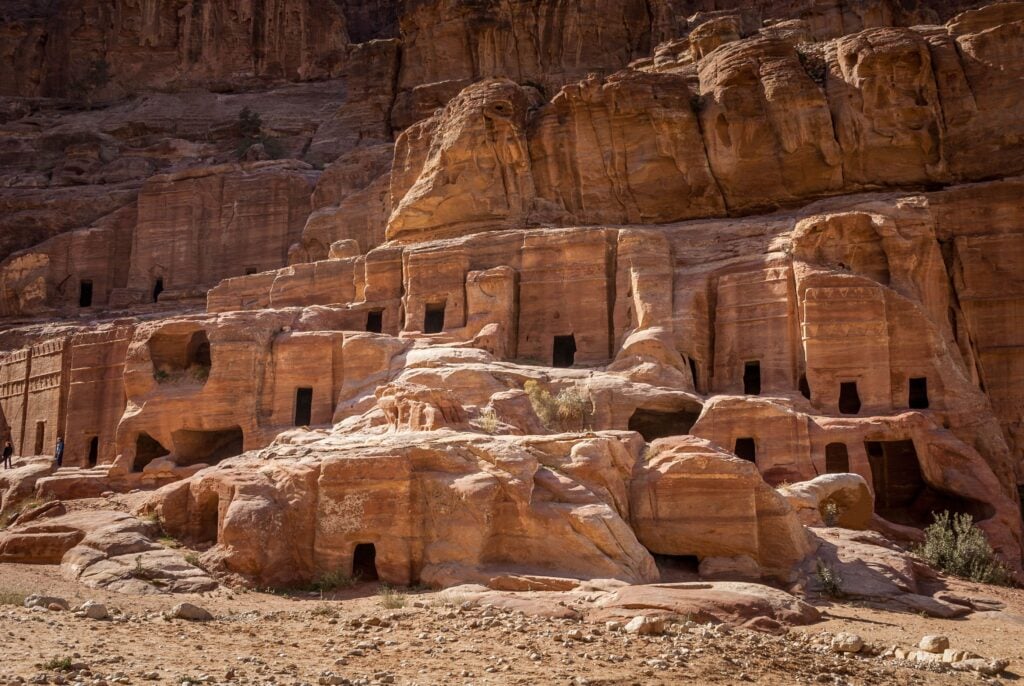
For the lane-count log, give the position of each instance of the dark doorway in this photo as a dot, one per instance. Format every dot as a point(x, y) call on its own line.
point(193, 446)
point(805, 388)
point(693, 374)
point(40, 437)
point(746, 449)
point(919, 393)
point(896, 474)
point(901, 493)
point(147, 449)
point(94, 451)
point(563, 351)
point(375, 321)
point(85, 293)
point(249, 271)
point(303, 406)
point(433, 318)
point(158, 288)
point(652, 424)
point(364, 562)
point(837, 459)
point(676, 568)
point(752, 378)
point(849, 398)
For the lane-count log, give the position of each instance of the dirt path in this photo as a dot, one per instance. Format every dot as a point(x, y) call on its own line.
point(266, 639)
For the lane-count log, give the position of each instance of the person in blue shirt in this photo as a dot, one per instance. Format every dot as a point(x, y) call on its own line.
point(58, 454)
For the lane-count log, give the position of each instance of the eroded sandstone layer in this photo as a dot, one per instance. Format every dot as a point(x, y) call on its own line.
point(511, 292)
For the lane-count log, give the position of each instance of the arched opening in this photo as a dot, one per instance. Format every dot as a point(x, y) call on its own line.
point(158, 288)
point(752, 378)
point(206, 447)
point(433, 318)
point(85, 293)
point(364, 562)
point(563, 351)
point(94, 451)
point(849, 398)
point(805, 388)
point(746, 449)
point(375, 321)
point(901, 493)
point(652, 424)
point(837, 458)
point(147, 449)
point(181, 355)
point(918, 393)
point(303, 406)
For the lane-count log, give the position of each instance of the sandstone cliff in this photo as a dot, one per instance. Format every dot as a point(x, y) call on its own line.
point(514, 289)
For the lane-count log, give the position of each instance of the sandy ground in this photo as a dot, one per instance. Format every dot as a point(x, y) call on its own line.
point(269, 639)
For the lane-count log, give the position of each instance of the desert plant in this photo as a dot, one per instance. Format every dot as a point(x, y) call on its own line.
point(200, 372)
point(168, 542)
point(161, 375)
point(830, 512)
point(391, 598)
point(955, 545)
point(828, 578)
point(12, 598)
point(59, 664)
point(332, 580)
point(568, 411)
point(194, 560)
point(489, 420)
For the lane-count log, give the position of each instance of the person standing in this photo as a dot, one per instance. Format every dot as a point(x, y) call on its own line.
point(58, 453)
point(8, 451)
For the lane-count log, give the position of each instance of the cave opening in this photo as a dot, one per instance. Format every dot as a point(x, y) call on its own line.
point(746, 449)
point(158, 288)
point(752, 378)
point(192, 446)
point(837, 458)
point(433, 318)
point(563, 353)
point(85, 293)
point(94, 451)
point(918, 393)
point(849, 398)
point(147, 449)
point(901, 493)
point(653, 424)
point(677, 567)
point(303, 406)
point(375, 321)
point(40, 437)
point(364, 562)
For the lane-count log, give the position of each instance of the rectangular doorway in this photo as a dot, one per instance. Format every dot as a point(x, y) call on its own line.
point(303, 406)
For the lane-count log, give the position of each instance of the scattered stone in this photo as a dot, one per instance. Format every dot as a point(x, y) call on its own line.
point(94, 610)
point(47, 602)
point(847, 643)
point(190, 612)
point(934, 644)
point(649, 626)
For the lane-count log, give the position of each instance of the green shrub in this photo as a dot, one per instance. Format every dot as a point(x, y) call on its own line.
point(828, 578)
point(59, 664)
point(955, 545)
